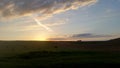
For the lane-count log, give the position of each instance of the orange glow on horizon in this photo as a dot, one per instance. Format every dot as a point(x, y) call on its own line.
point(41, 37)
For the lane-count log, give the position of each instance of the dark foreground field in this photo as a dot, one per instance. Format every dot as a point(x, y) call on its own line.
point(34, 54)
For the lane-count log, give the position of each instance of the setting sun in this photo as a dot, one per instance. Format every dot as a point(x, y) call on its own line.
point(41, 37)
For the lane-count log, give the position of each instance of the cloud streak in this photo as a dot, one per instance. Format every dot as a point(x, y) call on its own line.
point(44, 26)
point(80, 36)
point(16, 8)
point(88, 35)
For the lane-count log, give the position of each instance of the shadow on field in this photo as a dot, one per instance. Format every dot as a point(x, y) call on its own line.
point(76, 59)
point(66, 54)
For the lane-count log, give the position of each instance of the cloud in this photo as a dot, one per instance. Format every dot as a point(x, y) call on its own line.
point(16, 8)
point(57, 22)
point(29, 25)
point(57, 39)
point(84, 36)
point(88, 35)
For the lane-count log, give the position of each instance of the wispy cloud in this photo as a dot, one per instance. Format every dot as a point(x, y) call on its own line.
point(88, 35)
point(29, 25)
point(57, 39)
point(16, 8)
point(84, 36)
point(57, 22)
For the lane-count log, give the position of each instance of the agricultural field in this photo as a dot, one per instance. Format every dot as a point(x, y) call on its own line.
point(57, 54)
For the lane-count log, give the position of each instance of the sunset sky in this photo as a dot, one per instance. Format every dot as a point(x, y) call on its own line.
point(59, 20)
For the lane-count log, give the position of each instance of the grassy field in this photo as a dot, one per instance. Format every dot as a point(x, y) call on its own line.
point(35, 54)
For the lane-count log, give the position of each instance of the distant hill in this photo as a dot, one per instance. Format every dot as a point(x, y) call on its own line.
point(115, 40)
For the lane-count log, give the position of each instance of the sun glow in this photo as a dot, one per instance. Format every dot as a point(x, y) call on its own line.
point(41, 37)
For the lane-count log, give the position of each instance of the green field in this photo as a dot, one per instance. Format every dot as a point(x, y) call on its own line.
point(35, 54)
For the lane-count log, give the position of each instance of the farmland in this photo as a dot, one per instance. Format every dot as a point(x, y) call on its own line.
point(59, 54)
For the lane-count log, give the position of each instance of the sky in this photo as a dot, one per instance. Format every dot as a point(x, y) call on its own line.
point(59, 20)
